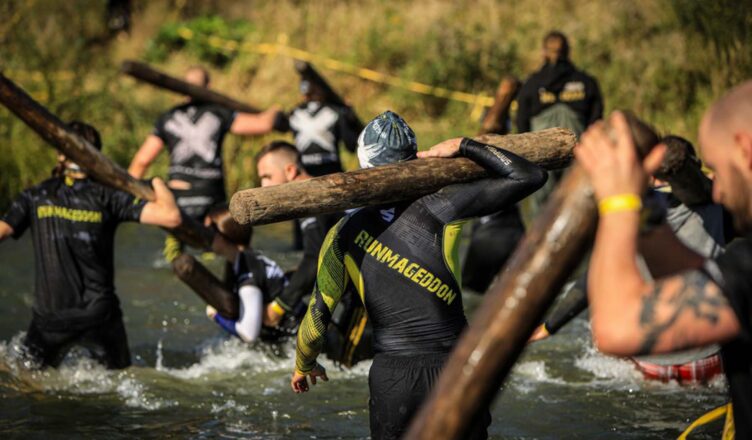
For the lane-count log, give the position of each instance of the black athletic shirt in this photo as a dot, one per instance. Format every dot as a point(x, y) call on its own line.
point(193, 134)
point(402, 259)
point(73, 226)
point(559, 83)
point(256, 269)
point(302, 280)
point(735, 279)
point(318, 129)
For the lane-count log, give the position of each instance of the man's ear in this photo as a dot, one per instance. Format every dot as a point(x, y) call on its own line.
point(743, 142)
point(291, 171)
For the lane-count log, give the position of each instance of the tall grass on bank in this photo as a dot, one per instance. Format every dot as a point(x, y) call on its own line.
point(664, 59)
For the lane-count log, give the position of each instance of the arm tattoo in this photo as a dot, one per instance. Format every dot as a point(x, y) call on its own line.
point(691, 295)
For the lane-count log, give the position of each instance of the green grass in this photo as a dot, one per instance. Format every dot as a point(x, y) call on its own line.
point(664, 59)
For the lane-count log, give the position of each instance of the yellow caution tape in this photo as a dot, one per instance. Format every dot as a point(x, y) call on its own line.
point(281, 48)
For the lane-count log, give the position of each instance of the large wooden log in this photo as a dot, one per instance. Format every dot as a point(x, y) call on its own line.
point(552, 248)
point(495, 120)
point(551, 149)
point(146, 73)
point(96, 164)
point(307, 72)
point(207, 286)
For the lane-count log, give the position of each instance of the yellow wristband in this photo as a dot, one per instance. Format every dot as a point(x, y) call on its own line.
point(619, 203)
point(277, 308)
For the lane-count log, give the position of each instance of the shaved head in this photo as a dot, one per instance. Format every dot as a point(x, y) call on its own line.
point(726, 146)
point(279, 162)
point(198, 76)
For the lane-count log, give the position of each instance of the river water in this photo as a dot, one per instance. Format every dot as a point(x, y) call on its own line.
point(191, 381)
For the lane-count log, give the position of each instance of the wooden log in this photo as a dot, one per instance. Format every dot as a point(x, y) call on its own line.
point(309, 73)
point(552, 248)
point(96, 164)
point(495, 120)
point(550, 148)
point(207, 286)
point(146, 73)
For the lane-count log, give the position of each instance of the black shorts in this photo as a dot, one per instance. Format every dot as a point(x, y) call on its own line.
point(107, 342)
point(198, 200)
point(398, 386)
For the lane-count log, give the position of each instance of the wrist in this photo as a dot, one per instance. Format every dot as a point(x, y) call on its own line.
point(277, 308)
point(616, 203)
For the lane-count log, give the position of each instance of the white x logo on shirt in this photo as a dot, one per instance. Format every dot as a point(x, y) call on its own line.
point(314, 129)
point(195, 138)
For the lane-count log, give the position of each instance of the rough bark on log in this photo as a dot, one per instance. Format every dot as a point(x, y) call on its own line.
point(550, 148)
point(96, 164)
point(207, 286)
point(541, 264)
point(146, 73)
point(496, 118)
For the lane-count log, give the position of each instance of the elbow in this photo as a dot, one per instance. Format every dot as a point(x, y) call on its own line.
point(614, 338)
point(248, 336)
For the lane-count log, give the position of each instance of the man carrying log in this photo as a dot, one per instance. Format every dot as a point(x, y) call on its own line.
point(402, 259)
point(193, 133)
point(319, 126)
point(73, 221)
point(278, 163)
point(693, 301)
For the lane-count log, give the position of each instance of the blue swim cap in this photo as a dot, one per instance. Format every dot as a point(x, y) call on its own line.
point(386, 139)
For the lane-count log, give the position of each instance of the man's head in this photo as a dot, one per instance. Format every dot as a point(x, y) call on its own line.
point(555, 47)
point(238, 234)
point(88, 133)
point(311, 91)
point(198, 76)
point(386, 139)
point(279, 162)
point(726, 146)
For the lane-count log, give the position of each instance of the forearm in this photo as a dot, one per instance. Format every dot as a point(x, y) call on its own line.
point(248, 325)
point(614, 281)
point(138, 169)
point(5, 231)
point(312, 334)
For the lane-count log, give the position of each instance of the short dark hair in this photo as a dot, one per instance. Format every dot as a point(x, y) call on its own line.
point(563, 53)
point(87, 132)
point(280, 146)
point(227, 226)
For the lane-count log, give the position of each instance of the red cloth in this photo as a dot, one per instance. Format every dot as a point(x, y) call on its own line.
point(696, 372)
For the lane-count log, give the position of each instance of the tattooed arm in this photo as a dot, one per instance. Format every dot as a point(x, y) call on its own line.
point(631, 316)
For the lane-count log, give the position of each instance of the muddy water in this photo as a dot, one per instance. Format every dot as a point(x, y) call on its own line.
point(190, 380)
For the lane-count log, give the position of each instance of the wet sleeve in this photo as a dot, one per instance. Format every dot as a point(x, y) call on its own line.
point(159, 128)
point(732, 271)
point(19, 214)
point(596, 105)
point(512, 179)
point(572, 305)
point(350, 128)
point(281, 123)
point(248, 325)
point(125, 207)
point(331, 282)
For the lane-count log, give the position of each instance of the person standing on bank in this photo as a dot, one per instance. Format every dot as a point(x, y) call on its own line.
point(73, 221)
point(402, 259)
point(193, 133)
point(693, 301)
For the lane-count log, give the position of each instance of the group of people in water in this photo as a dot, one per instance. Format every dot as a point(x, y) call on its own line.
point(385, 282)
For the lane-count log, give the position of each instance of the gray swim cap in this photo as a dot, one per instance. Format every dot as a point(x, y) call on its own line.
point(386, 139)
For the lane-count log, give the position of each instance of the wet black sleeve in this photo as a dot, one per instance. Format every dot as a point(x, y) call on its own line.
point(159, 127)
point(123, 206)
point(735, 267)
point(524, 106)
point(19, 214)
point(596, 104)
point(572, 305)
point(349, 128)
point(301, 282)
point(281, 122)
point(514, 178)
point(227, 116)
